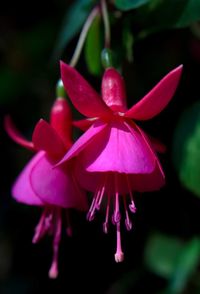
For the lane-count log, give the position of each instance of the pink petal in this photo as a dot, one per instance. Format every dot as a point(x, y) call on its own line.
point(84, 124)
point(148, 142)
point(45, 138)
point(15, 134)
point(113, 90)
point(22, 190)
point(84, 140)
point(82, 95)
point(158, 98)
point(56, 186)
point(147, 182)
point(123, 183)
point(118, 148)
point(89, 181)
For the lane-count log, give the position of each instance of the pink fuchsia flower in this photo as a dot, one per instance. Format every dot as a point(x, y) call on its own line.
point(114, 156)
point(41, 184)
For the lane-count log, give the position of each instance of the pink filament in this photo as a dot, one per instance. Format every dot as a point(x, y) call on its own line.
point(53, 272)
point(132, 206)
point(96, 202)
point(41, 228)
point(116, 216)
point(119, 255)
point(90, 214)
point(105, 225)
point(128, 222)
point(68, 225)
point(50, 222)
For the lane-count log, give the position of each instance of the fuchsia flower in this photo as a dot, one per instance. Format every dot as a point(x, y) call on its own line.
point(40, 183)
point(114, 156)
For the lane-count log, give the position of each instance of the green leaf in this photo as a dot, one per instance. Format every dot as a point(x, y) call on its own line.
point(93, 47)
point(172, 259)
point(129, 4)
point(186, 148)
point(190, 14)
point(161, 254)
point(186, 266)
point(72, 24)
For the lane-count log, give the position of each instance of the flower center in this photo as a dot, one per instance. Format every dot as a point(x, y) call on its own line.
point(104, 190)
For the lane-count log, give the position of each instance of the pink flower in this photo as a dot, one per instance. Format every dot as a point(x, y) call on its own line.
point(114, 156)
point(43, 185)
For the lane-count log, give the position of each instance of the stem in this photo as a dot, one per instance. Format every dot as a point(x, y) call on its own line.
point(106, 23)
point(83, 36)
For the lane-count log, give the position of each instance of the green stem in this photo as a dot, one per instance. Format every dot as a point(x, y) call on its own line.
point(83, 36)
point(105, 15)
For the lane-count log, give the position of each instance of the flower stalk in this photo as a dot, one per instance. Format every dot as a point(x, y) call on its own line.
point(83, 36)
point(105, 16)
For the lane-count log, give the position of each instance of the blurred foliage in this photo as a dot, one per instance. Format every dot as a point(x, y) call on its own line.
point(159, 14)
point(129, 4)
point(128, 41)
point(93, 48)
point(187, 263)
point(161, 254)
point(186, 148)
point(173, 259)
point(72, 23)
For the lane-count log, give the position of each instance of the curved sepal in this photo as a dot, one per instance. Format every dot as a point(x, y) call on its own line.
point(82, 95)
point(158, 98)
point(15, 135)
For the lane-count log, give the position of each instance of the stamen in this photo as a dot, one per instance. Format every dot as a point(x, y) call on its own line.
point(105, 225)
point(53, 272)
point(90, 214)
point(49, 222)
point(68, 226)
point(128, 222)
point(132, 206)
point(41, 228)
point(96, 202)
point(119, 255)
point(116, 216)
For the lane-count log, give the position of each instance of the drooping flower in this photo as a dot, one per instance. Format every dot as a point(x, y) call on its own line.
point(41, 184)
point(114, 156)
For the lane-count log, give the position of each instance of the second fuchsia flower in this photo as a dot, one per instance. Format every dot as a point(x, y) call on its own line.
point(41, 184)
point(114, 156)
